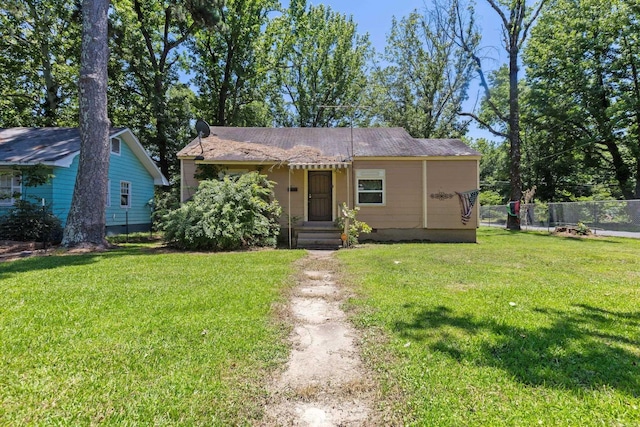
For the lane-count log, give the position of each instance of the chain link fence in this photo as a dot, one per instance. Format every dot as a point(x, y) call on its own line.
point(613, 215)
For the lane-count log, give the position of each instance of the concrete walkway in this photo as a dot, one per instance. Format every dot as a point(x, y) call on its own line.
point(324, 384)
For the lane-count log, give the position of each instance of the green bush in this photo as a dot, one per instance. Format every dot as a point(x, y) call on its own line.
point(490, 198)
point(163, 202)
point(582, 229)
point(226, 215)
point(27, 222)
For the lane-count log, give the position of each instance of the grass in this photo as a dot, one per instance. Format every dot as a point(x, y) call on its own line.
point(520, 329)
point(136, 336)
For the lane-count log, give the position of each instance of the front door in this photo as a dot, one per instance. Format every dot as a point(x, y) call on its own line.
point(320, 191)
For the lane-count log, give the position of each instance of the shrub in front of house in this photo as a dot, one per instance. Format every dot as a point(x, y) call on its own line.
point(225, 215)
point(26, 222)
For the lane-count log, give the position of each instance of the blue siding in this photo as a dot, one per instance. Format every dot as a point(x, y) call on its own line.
point(63, 182)
point(127, 167)
point(33, 195)
point(124, 167)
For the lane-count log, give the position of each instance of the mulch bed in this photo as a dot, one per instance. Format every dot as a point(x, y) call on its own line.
point(10, 249)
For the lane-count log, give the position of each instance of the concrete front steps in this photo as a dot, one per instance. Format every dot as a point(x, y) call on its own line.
point(321, 235)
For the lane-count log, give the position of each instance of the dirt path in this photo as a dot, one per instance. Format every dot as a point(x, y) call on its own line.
point(324, 383)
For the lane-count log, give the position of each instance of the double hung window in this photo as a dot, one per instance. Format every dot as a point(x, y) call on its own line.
point(125, 194)
point(10, 186)
point(370, 187)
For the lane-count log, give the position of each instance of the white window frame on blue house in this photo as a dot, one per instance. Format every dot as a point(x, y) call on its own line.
point(125, 194)
point(369, 183)
point(116, 146)
point(10, 184)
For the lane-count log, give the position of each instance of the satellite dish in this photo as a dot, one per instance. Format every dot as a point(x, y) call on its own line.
point(203, 128)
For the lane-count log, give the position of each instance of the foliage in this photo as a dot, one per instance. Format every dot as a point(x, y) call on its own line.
point(39, 59)
point(208, 171)
point(164, 201)
point(425, 82)
point(490, 198)
point(356, 227)
point(582, 229)
point(159, 337)
point(516, 18)
point(520, 329)
point(585, 57)
point(230, 65)
point(147, 41)
point(320, 60)
point(34, 175)
point(138, 237)
point(494, 167)
point(27, 221)
point(226, 215)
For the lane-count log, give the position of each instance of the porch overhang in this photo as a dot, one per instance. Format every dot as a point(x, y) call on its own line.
point(320, 165)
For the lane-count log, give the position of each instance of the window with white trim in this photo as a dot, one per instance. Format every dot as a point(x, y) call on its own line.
point(370, 187)
point(125, 194)
point(10, 185)
point(115, 145)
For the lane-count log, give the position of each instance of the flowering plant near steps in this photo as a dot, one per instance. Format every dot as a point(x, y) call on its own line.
point(355, 227)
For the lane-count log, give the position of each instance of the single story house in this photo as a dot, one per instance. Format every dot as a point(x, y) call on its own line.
point(133, 175)
point(406, 188)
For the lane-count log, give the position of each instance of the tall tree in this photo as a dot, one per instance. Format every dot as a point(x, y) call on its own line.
point(230, 65)
point(39, 59)
point(86, 220)
point(320, 60)
point(425, 82)
point(584, 70)
point(149, 37)
point(516, 17)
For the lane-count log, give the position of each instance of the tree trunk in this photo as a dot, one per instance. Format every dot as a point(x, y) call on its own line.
point(224, 87)
point(513, 223)
point(86, 221)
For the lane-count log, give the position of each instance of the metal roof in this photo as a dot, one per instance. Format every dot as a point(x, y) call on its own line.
point(271, 144)
point(58, 146)
point(38, 145)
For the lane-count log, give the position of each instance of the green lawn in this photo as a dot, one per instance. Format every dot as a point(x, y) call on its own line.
point(520, 329)
point(135, 336)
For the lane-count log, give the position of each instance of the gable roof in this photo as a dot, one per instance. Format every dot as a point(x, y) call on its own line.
point(59, 146)
point(317, 144)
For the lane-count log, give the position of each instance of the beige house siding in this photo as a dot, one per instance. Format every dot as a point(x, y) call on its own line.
point(416, 206)
point(288, 199)
point(403, 195)
point(188, 182)
point(447, 178)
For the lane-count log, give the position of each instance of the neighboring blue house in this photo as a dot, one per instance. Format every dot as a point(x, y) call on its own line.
point(133, 175)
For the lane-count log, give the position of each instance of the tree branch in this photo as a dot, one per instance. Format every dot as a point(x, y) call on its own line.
point(527, 26)
point(486, 125)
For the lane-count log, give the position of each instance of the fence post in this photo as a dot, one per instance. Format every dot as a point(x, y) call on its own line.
point(44, 226)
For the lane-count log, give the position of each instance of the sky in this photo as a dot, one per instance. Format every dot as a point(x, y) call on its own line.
point(374, 17)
